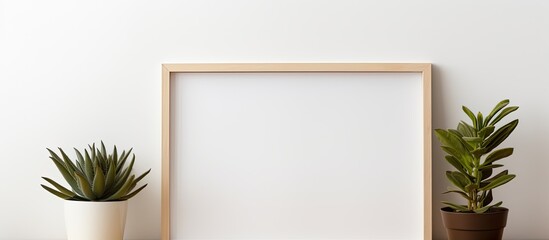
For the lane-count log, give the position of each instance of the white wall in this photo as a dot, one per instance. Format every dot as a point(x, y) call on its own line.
point(75, 72)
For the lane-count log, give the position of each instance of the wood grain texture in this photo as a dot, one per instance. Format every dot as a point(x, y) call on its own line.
point(298, 67)
point(165, 188)
point(423, 68)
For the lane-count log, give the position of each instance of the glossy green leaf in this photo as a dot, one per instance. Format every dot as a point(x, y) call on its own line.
point(453, 152)
point(486, 131)
point(488, 198)
point(471, 116)
point(477, 153)
point(461, 193)
point(480, 123)
point(455, 162)
point(471, 187)
point(456, 135)
point(502, 173)
point(494, 111)
point(498, 154)
point(458, 179)
point(463, 158)
point(486, 208)
point(471, 150)
point(490, 166)
point(466, 130)
point(486, 173)
point(450, 140)
point(455, 132)
point(498, 182)
point(456, 207)
point(500, 135)
point(503, 113)
point(473, 140)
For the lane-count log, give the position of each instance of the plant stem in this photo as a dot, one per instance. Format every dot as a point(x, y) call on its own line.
point(477, 175)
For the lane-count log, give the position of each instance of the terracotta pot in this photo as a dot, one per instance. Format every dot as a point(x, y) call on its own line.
point(475, 226)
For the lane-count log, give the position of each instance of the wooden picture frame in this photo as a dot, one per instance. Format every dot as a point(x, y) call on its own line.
point(423, 68)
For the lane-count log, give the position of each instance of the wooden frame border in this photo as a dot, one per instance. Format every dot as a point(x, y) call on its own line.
point(423, 68)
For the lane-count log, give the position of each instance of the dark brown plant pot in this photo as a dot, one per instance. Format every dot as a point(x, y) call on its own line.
point(475, 226)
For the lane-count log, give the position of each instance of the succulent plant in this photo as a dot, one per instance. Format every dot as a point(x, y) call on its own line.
point(95, 175)
point(471, 150)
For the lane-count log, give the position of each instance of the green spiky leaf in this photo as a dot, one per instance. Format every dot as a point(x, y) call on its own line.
point(85, 187)
point(134, 193)
point(96, 175)
point(123, 190)
point(111, 174)
point(55, 192)
point(61, 189)
point(98, 183)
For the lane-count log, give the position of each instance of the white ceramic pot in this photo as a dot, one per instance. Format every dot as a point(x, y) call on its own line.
point(95, 220)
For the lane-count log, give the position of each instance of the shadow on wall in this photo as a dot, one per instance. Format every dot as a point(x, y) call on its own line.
point(438, 167)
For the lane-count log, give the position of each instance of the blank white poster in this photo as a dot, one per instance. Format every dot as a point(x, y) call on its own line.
point(296, 156)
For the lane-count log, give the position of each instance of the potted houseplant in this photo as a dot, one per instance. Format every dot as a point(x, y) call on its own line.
point(473, 151)
point(100, 185)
